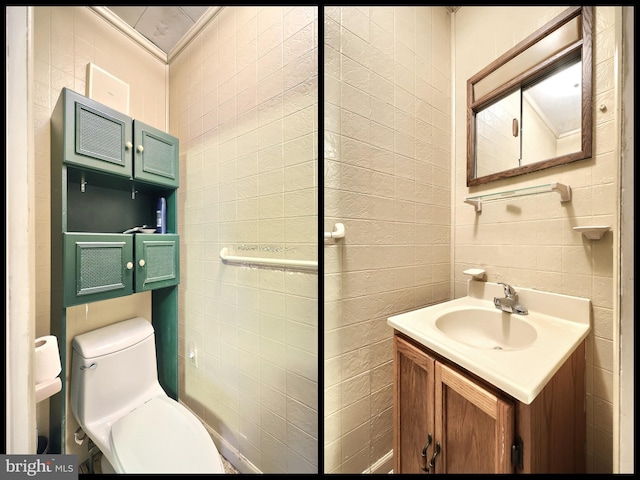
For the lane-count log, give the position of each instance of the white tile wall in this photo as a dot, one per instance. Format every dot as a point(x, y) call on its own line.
point(530, 241)
point(244, 98)
point(387, 178)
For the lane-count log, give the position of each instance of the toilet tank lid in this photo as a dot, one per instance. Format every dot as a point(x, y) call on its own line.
point(112, 338)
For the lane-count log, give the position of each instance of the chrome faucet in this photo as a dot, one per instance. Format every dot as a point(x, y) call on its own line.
point(510, 301)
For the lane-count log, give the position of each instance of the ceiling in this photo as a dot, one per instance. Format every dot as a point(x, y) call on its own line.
point(163, 26)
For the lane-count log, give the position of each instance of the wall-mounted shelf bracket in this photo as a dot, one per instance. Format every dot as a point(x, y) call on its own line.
point(338, 231)
point(595, 232)
point(562, 189)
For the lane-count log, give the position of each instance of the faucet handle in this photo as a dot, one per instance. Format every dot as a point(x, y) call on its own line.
point(509, 292)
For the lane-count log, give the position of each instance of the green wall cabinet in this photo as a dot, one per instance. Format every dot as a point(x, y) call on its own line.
point(99, 266)
point(107, 173)
point(99, 138)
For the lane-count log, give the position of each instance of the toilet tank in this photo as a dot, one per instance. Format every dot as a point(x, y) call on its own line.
point(113, 370)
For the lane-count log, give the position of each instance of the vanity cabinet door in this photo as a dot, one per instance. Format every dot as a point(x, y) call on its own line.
point(474, 426)
point(445, 421)
point(157, 261)
point(97, 266)
point(413, 408)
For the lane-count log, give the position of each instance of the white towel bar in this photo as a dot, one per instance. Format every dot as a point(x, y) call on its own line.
point(278, 262)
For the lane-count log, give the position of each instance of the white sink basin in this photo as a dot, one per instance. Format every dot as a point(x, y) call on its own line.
point(517, 353)
point(486, 328)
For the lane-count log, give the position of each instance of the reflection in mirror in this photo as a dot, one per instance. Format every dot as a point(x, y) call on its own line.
point(551, 115)
point(497, 148)
point(531, 108)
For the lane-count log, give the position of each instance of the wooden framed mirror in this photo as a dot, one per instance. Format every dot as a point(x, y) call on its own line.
point(531, 108)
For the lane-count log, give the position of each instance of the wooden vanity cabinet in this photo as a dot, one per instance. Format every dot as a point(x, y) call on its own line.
point(447, 420)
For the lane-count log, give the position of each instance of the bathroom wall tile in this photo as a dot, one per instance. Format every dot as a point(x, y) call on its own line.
point(303, 390)
point(301, 416)
point(356, 48)
point(304, 445)
point(602, 323)
point(603, 355)
point(355, 440)
point(383, 17)
point(355, 100)
point(355, 417)
point(298, 463)
point(273, 453)
point(359, 461)
point(381, 85)
point(302, 336)
point(355, 388)
point(382, 399)
point(302, 363)
point(332, 455)
point(356, 21)
point(380, 424)
point(297, 73)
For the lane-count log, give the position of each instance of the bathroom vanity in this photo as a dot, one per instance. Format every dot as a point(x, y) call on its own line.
point(474, 400)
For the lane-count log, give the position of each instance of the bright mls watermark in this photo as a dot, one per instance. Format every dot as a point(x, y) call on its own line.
point(53, 467)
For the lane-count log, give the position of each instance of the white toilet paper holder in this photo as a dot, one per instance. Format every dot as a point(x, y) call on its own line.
point(47, 367)
point(45, 389)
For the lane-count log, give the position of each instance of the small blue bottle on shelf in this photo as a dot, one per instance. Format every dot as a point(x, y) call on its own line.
point(161, 216)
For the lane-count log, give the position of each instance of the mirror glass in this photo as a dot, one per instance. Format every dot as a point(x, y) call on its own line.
point(552, 115)
point(531, 108)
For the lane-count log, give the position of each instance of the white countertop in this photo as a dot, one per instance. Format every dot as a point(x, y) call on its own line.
point(561, 322)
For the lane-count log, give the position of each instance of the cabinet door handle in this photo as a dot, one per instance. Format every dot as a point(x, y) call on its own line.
point(129, 265)
point(140, 148)
point(128, 145)
point(424, 453)
point(432, 463)
point(141, 262)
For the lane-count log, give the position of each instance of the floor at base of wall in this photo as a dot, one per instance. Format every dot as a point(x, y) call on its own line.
point(84, 467)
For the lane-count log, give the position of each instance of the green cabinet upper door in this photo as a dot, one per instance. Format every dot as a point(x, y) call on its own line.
point(95, 136)
point(156, 155)
point(99, 138)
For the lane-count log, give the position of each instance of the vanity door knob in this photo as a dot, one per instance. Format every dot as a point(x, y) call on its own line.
point(129, 265)
point(141, 262)
point(128, 145)
point(140, 148)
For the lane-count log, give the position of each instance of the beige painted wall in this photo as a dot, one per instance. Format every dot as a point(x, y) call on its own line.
point(243, 101)
point(387, 173)
point(529, 241)
point(65, 40)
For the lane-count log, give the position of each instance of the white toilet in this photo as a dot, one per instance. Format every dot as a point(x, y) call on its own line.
point(119, 403)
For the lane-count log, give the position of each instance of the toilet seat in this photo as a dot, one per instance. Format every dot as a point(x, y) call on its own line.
point(162, 436)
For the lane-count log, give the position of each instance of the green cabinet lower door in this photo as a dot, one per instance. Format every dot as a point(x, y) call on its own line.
point(157, 261)
point(97, 266)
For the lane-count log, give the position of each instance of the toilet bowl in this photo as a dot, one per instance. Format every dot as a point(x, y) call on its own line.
point(119, 403)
